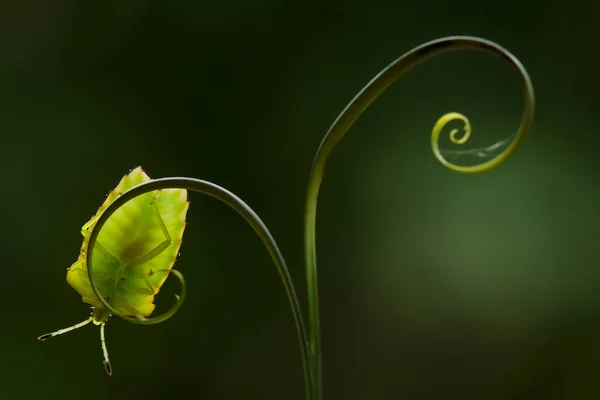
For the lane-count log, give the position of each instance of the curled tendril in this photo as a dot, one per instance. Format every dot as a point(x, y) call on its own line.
point(444, 120)
point(244, 211)
point(353, 111)
point(310, 345)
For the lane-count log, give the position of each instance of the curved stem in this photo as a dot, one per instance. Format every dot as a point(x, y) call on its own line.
point(243, 210)
point(351, 113)
point(310, 346)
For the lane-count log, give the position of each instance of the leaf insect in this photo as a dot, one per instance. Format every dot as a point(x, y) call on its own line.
point(133, 255)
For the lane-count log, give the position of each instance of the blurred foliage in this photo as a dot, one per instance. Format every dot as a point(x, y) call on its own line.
point(433, 284)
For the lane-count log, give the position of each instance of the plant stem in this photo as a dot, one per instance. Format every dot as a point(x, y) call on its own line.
point(245, 212)
point(310, 346)
point(343, 123)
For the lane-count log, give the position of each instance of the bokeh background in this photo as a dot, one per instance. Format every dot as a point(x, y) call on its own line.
point(433, 285)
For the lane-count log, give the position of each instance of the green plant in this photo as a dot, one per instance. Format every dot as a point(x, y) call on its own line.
point(310, 340)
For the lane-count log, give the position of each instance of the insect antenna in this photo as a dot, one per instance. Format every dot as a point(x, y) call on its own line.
point(65, 330)
point(105, 351)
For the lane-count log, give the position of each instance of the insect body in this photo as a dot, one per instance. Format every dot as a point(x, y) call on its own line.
point(133, 255)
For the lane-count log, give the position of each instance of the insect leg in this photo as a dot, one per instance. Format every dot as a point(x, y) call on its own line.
point(79, 268)
point(103, 278)
point(150, 289)
point(86, 234)
point(106, 361)
point(162, 246)
point(85, 229)
point(157, 250)
point(65, 330)
point(81, 262)
point(105, 252)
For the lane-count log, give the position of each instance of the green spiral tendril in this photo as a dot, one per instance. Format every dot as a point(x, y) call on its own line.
point(245, 212)
point(347, 118)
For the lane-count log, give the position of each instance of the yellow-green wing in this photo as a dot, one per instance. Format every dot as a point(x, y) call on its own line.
point(128, 269)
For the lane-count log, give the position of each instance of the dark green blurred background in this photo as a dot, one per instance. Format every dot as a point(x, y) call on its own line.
point(434, 285)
